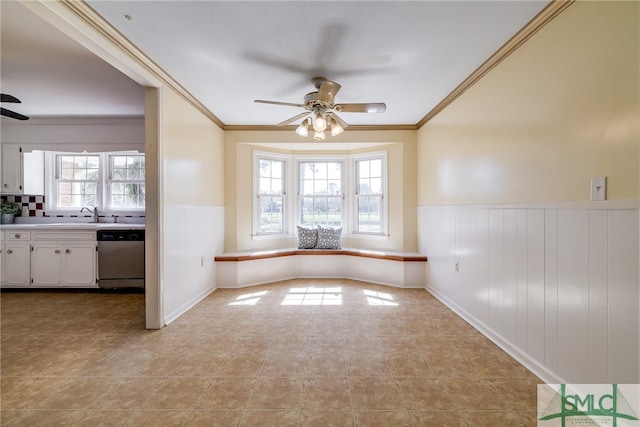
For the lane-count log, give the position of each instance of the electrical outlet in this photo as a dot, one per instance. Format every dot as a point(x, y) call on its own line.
point(599, 188)
point(457, 267)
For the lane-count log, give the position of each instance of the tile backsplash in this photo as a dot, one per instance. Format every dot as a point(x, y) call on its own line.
point(36, 206)
point(34, 203)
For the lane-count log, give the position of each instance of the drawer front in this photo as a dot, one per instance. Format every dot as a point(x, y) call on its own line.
point(18, 235)
point(65, 237)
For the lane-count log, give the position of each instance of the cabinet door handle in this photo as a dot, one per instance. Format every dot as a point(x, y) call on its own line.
point(68, 251)
point(9, 251)
point(57, 251)
point(16, 236)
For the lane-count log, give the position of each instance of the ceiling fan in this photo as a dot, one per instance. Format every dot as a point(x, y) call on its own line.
point(8, 113)
point(320, 110)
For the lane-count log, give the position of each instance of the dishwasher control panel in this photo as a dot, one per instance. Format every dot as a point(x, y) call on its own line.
point(120, 235)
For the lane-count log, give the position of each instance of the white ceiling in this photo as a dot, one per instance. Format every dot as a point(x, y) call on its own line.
point(409, 55)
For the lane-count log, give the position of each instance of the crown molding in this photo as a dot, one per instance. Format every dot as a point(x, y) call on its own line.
point(545, 16)
point(91, 19)
point(270, 128)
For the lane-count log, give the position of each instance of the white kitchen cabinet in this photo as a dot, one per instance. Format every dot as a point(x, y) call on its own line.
point(48, 264)
point(64, 259)
point(11, 169)
point(16, 260)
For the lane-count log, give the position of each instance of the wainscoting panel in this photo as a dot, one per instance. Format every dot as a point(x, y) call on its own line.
point(623, 295)
point(598, 298)
point(556, 287)
point(573, 294)
point(193, 236)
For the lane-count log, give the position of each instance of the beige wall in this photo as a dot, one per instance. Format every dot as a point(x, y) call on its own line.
point(193, 155)
point(239, 147)
point(561, 109)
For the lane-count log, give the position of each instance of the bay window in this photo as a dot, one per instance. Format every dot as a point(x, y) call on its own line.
point(347, 191)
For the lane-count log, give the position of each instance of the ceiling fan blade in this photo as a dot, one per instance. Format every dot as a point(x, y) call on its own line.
point(294, 118)
point(289, 104)
point(12, 114)
point(371, 107)
point(327, 91)
point(9, 98)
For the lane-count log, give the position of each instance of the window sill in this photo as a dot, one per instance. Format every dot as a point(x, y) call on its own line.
point(364, 236)
point(279, 236)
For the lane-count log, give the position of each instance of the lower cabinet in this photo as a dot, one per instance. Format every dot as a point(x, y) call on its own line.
point(48, 259)
point(15, 256)
point(63, 264)
point(16, 261)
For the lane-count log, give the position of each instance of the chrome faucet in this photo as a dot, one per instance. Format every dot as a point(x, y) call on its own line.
point(94, 212)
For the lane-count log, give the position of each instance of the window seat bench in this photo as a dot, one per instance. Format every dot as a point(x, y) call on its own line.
point(241, 269)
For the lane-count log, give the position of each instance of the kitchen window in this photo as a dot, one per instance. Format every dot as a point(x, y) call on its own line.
point(77, 180)
point(110, 181)
point(126, 182)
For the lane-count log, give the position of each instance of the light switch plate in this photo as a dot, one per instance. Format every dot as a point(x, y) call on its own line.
point(599, 188)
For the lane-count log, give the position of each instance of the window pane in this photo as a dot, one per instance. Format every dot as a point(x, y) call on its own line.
point(265, 167)
point(265, 185)
point(276, 185)
point(133, 174)
point(118, 161)
point(334, 170)
point(369, 214)
point(307, 187)
point(376, 168)
point(126, 189)
point(319, 170)
point(321, 186)
point(118, 173)
point(271, 215)
point(376, 185)
point(334, 187)
point(66, 174)
point(80, 174)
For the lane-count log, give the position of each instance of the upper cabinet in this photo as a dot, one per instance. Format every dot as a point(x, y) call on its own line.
point(22, 172)
point(12, 177)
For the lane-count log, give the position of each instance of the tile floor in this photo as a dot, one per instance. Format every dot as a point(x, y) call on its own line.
point(292, 353)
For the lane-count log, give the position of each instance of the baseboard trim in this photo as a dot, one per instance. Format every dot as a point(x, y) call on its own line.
point(549, 377)
point(189, 305)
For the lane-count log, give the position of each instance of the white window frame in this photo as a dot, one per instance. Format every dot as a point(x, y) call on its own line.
point(384, 205)
point(343, 187)
point(286, 211)
point(291, 205)
point(53, 179)
point(109, 180)
point(51, 194)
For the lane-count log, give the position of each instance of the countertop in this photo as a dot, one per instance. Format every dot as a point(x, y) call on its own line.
point(72, 226)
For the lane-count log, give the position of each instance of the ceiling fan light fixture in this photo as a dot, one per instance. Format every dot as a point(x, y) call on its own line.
point(320, 123)
point(319, 136)
point(336, 129)
point(303, 129)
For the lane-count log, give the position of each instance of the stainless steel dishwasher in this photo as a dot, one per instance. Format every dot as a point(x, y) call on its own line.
point(120, 258)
